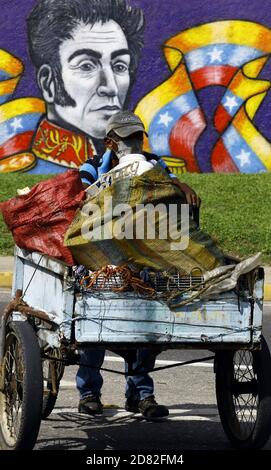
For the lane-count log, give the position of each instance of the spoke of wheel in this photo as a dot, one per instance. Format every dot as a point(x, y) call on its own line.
point(245, 404)
point(13, 382)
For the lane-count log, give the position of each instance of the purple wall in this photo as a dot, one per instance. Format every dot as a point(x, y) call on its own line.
point(213, 147)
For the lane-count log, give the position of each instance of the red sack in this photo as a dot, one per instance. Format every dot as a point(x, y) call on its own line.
point(38, 220)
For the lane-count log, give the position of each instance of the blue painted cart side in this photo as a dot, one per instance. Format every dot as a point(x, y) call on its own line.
point(126, 318)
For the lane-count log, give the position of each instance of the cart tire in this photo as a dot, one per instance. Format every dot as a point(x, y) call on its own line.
point(244, 396)
point(49, 398)
point(21, 399)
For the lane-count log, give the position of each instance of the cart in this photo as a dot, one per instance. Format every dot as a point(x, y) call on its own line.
point(49, 321)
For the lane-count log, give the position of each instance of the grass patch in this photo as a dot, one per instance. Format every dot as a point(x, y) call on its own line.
point(8, 188)
point(236, 210)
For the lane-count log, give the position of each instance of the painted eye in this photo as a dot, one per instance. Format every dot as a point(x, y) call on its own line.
point(120, 67)
point(87, 66)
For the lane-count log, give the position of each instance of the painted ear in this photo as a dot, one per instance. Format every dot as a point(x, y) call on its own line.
point(46, 83)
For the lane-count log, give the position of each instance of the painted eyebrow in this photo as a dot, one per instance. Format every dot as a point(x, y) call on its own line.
point(89, 52)
point(97, 55)
point(120, 52)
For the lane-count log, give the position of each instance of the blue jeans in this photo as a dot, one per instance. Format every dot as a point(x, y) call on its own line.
point(89, 381)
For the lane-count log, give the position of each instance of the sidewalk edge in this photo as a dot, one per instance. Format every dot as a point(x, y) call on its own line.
point(6, 279)
point(267, 292)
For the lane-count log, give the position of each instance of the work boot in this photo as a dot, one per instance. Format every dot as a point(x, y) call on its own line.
point(148, 407)
point(132, 405)
point(90, 406)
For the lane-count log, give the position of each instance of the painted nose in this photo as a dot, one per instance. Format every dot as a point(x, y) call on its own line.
point(107, 86)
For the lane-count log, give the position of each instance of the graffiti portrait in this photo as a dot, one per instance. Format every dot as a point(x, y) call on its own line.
point(85, 54)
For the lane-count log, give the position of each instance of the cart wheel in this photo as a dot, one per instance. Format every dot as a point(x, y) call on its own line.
point(243, 390)
point(51, 369)
point(21, 399)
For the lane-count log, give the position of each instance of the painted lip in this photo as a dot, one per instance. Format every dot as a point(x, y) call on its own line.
point(108, 108)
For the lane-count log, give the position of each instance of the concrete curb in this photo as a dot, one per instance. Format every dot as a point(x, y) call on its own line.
point(6, 281)
point(267, 292)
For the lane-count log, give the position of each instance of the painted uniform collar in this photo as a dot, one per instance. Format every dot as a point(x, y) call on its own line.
point(62, 146)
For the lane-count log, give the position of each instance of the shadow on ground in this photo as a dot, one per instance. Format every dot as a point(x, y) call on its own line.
point(189, 427)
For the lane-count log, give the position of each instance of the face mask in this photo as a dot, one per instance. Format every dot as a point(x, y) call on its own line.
point(128, 146)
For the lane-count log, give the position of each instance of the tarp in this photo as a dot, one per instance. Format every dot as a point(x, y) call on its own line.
point(225, 278)
point(153, 187)
point(38, 220)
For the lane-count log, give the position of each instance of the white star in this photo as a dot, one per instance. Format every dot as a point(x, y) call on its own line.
point(25, 159)
point(165, 119)
point(230, 103)
point(14, 162)
point(243, 157)
point(215, 55)
point(16, 124)
point(19, 160)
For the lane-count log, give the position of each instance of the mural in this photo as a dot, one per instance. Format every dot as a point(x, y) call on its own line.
point(226, 53)
point(18, 118)
point(200, 84)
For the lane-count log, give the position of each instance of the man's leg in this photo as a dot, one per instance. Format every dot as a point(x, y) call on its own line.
point(141, 385)
point(89, 382)
point(140, 388)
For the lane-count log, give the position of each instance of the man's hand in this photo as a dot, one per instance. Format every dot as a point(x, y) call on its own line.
point(191, 196)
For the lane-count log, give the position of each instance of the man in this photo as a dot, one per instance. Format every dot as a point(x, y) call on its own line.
point(86, 54)
point(97, 166)
point(124, 140)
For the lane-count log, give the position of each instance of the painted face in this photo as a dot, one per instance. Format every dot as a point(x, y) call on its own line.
point(95, 71)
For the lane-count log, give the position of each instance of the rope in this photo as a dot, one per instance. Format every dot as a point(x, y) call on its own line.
point(128, 277)
point(130, 280)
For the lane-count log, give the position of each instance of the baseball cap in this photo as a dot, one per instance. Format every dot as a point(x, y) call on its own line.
point(124, 124)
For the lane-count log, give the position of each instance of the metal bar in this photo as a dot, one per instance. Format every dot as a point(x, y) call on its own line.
point(174, 345)
point(32, 276)
point(245, 388)
point(52, 369)
point(183, 363)
point(134, 371)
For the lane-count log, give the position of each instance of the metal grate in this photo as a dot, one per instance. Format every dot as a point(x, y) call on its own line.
point(158, 282)
point(103, 283)
point(175, 282)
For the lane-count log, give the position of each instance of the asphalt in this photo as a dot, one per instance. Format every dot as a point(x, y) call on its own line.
point(7, 268)
point(188, 391)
